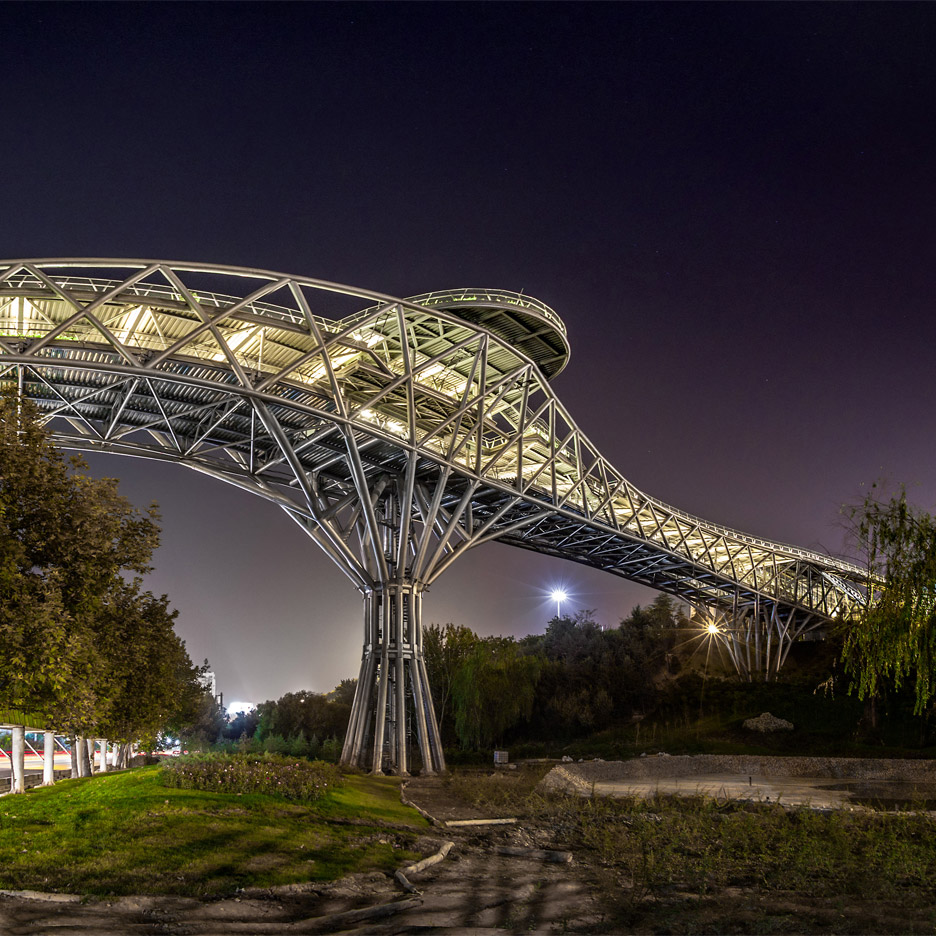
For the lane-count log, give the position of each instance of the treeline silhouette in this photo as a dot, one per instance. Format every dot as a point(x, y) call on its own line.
point(575, 679)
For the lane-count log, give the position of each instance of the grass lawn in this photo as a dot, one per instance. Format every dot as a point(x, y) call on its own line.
point(125, 833)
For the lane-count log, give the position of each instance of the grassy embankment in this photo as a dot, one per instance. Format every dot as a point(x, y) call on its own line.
point(699, 866)
point(126, 833)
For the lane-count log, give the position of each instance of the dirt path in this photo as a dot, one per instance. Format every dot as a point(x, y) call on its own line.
point(495, 878)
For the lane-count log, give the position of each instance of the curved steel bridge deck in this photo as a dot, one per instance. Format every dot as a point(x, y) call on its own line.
point(325, 399)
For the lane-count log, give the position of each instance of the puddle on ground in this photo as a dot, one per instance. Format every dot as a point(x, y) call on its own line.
point(888, 794)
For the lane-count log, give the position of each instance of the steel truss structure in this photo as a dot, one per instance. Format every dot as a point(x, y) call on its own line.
point(397, 434)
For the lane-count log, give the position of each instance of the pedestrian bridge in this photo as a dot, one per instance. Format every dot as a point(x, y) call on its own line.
point(397, 433)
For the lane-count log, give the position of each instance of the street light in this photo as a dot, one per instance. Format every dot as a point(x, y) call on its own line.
point(558, 596)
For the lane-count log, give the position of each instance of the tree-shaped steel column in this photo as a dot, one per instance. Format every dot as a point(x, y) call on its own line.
point(396, 531)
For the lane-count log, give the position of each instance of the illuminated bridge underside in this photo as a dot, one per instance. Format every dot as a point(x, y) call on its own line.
point(398, 437)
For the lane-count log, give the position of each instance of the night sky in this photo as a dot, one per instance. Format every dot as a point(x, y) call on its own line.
point(731, 206)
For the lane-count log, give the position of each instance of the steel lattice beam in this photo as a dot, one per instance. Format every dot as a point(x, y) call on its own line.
point(397, 433)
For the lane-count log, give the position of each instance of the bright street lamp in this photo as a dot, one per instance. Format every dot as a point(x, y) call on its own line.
point(558, 596)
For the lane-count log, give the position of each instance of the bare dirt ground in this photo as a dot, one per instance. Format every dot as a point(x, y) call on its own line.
point(477, 889)
point(473, 889)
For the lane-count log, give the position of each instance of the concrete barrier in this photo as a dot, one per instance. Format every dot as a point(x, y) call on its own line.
point(580, 776)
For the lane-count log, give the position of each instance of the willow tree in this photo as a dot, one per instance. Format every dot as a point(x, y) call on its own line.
point(894, 641)
point(493, 690)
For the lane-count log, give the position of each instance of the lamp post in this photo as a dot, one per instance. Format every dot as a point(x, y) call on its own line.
point(558, 596)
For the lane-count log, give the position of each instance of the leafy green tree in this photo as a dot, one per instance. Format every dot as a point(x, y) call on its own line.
point(893, 642)
point(139, 675)
point(307, 713)
point(343, 693)
point(446, 649)
point(243, 724)
point(199, 720)
point(494, 689)
point(82, 645)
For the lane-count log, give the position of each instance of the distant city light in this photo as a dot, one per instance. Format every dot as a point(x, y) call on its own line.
point(239, 708)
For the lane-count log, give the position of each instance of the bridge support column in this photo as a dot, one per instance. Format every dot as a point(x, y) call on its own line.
point(392, 705)
point(757, 636)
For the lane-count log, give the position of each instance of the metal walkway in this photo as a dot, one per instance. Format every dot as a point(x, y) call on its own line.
point(397, 433)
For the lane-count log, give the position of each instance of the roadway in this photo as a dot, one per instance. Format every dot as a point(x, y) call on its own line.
point(34, 763)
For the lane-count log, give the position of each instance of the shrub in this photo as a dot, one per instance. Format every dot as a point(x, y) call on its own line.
point(330, 750)
point(299, 746)
point(276, 744)
point(298, 780)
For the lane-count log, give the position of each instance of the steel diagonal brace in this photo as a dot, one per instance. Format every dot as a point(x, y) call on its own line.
point(452, 521)
point(118, 411)
point(484, 535)
point(90, 395)
point(186, 411)
point(410, 372)
point(11, 270)
point(406, 514)
point(196, 307)
point(166, 419)
point(354, 456)
point(368, 442)
point(88, 310)
point(485, 407)
point(317, 438)
point(524, 426)
point(370, 499)
point(209, 320)
point(68, 405)
point(430, 514)
point(275, 430)
point(459, 413)
point(407, 356)
point(362, 581)
point(231, 407)
point(95, 321)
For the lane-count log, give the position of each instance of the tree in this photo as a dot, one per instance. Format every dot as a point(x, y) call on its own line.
point(494, 688)
point(446, 649)
point(310, 714)
point(144, 680)
point(81, 645)
point(894, 639)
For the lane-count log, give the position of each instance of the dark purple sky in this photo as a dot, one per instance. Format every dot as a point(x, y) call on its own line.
point(731, 206)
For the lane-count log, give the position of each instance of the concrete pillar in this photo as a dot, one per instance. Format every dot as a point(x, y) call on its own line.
point(48, 758)
point(18, 733)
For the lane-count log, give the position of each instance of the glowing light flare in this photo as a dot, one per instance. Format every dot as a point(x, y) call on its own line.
point(558, 595)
